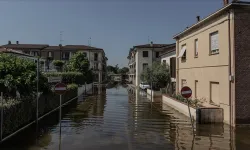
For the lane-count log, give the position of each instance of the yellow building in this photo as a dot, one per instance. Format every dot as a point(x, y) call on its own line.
point(214, 61)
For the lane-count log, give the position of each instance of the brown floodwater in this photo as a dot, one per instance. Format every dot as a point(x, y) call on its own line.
point(119, 119)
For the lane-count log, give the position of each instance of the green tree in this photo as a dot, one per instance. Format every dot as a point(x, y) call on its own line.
point(159, 73)
point(123, 70)
point(59, 64)
point(80, 63)
point(18, 74)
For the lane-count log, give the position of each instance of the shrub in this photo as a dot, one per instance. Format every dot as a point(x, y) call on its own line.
point(68, 77)
point(72, 86)
point(58, 63)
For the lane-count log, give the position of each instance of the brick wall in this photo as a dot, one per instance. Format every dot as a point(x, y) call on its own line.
point(242, 65)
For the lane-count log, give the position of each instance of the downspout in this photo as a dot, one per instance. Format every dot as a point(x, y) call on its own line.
point(229, 69)
point(177, 66)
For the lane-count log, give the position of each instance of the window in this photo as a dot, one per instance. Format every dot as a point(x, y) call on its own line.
point(214, 92)
point(164, 61)
point(50, 54)
point(214, 43)
point(183, 83)
point(95, 66)
point(195, 88)
point(145, 53)
point(157, 54)
point(173, 67)
point(65, 55)
point(182, 53)
point(144, 66)
point(196, 48)
point(95, 56)
point(34, 53)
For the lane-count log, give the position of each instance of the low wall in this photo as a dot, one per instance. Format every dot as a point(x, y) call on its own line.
point(179, 106)
point(154, 93)
point(81, 89)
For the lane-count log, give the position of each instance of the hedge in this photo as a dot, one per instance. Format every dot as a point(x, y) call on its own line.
point(68, 77)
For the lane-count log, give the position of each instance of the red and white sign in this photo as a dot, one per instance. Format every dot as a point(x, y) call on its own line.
point(60, 88)
point(186, 92)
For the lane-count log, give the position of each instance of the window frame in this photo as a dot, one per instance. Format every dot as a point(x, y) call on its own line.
point(184, 56)
point(143, 66)
point(210, 43)
point(157, 54)
point(196, 46)
point(146, 52)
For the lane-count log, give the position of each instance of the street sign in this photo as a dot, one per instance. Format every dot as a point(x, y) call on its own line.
point(60, 88)
point(54, 79)
point(186, 92)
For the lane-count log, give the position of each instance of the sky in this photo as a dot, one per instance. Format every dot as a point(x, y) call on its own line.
point(114, 25)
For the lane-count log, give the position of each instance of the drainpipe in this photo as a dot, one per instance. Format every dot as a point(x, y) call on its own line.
point(177, 66)
point(229, 71)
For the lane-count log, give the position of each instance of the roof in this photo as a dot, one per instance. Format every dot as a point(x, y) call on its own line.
point(7, 50)
point(168, 49)
point(151, 46)
point(81, 47)
point(238, 3)
point(25, 46)
point(52, 48)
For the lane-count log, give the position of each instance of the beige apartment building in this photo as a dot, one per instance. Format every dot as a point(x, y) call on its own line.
point(96, 56)
point(213, 59)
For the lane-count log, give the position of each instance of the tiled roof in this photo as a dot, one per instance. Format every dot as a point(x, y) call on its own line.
point(25, 46)
point(149, 46)
point(168, 49)
point(81, 47)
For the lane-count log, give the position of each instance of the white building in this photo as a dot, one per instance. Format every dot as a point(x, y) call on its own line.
point(141, 57)
point(168, 56)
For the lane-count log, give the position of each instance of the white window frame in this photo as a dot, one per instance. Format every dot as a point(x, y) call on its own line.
point(214, 42)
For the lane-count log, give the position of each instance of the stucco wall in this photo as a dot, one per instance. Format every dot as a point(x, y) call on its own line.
point(167, 58)
point(206, 68)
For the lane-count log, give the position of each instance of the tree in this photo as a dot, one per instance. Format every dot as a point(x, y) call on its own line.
point(80, 63)
point(159, 73)
point(113, 69)
point(19, 75)
point(123, 70)
point(59, 64)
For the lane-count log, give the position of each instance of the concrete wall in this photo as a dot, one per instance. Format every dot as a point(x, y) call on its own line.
point(154, 93)
point(181, 107)
point(206, 68)
point(81, 90)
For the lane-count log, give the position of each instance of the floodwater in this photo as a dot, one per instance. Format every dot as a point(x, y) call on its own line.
point(119, 119)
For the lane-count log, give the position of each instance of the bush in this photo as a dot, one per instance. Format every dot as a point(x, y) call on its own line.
point(18, 74)
point(68, 77)
point(58, 63)
point(72, 86)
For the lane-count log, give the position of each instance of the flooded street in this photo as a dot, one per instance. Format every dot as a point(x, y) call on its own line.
point(116, 118)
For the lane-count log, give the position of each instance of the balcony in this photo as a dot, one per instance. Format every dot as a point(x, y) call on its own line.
point(131, 61)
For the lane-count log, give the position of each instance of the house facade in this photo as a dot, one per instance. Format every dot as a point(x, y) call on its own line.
point(96, 56)
point(213, 60)
point(141, 57)
point(168, 56)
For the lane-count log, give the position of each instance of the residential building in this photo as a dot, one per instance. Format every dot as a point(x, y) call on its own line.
point(96, 56)
point(23, 56)
point(168, 56)
point(213, 60)
point(141, 57)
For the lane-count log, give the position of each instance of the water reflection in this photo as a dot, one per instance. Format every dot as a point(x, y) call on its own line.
point(118, 118)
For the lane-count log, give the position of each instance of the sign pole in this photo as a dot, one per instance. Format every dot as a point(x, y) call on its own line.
point(60, 117)
point(186, 92)
point(190, 115)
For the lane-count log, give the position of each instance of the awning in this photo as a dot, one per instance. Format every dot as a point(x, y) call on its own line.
point(183, 50)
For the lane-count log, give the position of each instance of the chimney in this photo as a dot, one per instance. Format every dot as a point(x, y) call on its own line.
point(198, 18)
point(225, 2)
point(9, 42)
point(151, 44)
point(17, 42)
